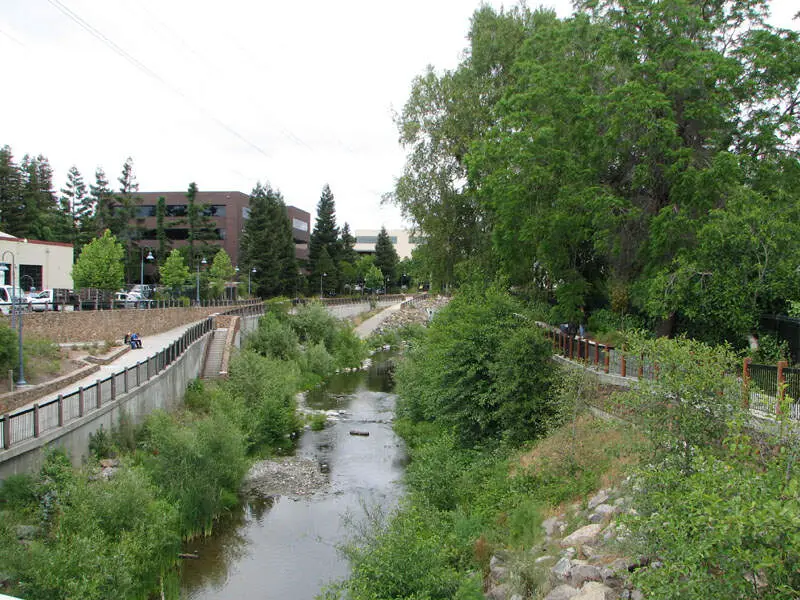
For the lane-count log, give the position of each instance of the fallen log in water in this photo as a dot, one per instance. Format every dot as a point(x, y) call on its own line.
point(357, 432)
point(188, 555)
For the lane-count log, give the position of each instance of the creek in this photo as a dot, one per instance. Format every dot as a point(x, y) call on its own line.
point(285, 547)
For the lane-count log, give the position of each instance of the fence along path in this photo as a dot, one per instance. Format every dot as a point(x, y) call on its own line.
point(764, 387)
point(39, 418)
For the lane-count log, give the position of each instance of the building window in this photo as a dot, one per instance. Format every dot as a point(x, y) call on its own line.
point(245, 212)
point(30, 277)
point(299, 224)
point(145, 210)
point(373, 239)
point(176, 210)
point(214, 210)
point(416, 239)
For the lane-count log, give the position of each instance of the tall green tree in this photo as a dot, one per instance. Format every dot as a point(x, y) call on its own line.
point(102, 200)
point(221, 272)
point(11, 202)
point(77, 209)
point(100, 264)
point(267, 244)
point(125, 223)
point(174, 273)
point(386, 256)
point(161, 233)
point(40, 208)
point(324, 236)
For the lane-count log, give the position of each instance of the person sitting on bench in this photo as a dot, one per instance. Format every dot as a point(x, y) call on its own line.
point(136, 341)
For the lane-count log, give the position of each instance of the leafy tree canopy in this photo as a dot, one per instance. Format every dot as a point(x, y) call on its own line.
point(100, 264)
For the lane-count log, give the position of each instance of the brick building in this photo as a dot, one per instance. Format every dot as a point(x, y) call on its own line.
point(228, 211)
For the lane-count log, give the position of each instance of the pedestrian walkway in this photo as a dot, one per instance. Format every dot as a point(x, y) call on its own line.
point(370, 325)
point(151, 345)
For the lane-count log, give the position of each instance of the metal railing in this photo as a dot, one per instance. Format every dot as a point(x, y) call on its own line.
point(43, 417)
point(765, 387)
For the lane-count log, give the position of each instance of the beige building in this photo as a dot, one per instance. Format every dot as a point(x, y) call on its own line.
point(34, 263)
point(402, 240)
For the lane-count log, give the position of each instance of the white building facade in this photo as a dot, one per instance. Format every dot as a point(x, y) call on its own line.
point(402, 240)
point(35, 263)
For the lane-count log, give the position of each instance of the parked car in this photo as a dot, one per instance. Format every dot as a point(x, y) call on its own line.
point(9, 294)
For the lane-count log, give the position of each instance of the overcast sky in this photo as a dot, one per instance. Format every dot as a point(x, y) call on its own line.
point(230, 93)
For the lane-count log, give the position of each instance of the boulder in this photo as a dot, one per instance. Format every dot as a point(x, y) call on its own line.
point(598, 499)
point(580, 574)
point(498, 592)
point(595, 591)
point(551, 525)
point(584, 535)
point(562, 592)
point(561, 570)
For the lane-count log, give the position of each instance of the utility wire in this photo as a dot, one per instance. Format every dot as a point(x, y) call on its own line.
point(146, 70)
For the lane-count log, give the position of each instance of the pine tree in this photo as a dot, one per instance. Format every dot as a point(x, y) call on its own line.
point(123, 217)
point(40, 209)
point(161, 232)
point(102, 199)
point(386, 256)
point(348, 257)
point(76, 208)
point(267, 244)
point(202, 230)
point(325, 235)
point(11, 203)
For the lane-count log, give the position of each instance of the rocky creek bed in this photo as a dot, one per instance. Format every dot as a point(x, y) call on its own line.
point(290, 476)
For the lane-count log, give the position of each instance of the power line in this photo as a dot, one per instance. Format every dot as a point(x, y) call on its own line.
point(146, 70)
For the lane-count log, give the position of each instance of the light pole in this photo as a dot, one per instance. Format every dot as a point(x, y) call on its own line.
point(197, 295)
point(8, 280)
point(249, 273)
point(16, 307)
point(141, 268)
point(320, 284)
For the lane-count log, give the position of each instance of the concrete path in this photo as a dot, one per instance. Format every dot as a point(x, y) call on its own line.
point(367, 327)
point(151, 345)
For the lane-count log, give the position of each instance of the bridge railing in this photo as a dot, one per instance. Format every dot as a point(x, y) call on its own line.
point(43, 417)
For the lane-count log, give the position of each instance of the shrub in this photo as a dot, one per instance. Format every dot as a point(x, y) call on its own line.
point(9, 357)
point(314, 324)
point(101, 444)
point(484, 369)
point(198, 466)
point(274, 338)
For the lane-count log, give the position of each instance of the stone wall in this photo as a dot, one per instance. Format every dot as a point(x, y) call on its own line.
point(107, 325)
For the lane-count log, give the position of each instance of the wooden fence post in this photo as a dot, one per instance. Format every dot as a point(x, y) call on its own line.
point(586, 350)
point(60, 410)
point(641, 366)
point(98, 396)
point(113, 389)
point(36, 419)
point(596, 352)
point(607, 360)
point(782, 364)
point(571, 350)
point(623, 366)
point(80, 401)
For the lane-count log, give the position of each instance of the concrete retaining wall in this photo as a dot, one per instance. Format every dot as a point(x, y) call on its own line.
point(164, 391)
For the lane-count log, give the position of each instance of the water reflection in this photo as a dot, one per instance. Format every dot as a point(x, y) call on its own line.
point(286, 548)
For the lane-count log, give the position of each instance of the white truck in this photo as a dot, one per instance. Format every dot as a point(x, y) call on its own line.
point(51, 299)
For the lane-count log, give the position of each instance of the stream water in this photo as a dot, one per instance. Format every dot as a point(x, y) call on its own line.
point(282, 547)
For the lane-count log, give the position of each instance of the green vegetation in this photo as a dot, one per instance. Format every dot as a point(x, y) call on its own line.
point(96, 536)
point(637, 157)
point(100, 264)
point(715, 503)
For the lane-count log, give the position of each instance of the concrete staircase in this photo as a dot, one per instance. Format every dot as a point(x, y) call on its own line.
point(216, 347)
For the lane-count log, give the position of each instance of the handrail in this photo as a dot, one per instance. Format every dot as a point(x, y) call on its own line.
point(43, 417)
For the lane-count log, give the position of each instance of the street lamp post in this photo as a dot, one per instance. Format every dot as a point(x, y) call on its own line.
point(197, 295)
point(320, 285)
point(8, 280)
point(249, 273)
point(141, 268)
